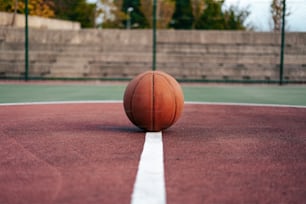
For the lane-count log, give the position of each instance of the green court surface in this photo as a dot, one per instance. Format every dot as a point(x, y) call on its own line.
point(261, 94)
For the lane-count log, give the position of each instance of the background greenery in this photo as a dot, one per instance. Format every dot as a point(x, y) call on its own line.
point(177, 14)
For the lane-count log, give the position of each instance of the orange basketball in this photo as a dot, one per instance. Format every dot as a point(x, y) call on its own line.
point(153, 101)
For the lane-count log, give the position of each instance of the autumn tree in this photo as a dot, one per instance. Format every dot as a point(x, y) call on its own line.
point(110, 14)
point(165, 12)
point(6, 5)
point(178, 14)
point(73, 10)
point(43, 8)
point(165, 9)
point(198, 7)
point(276, 9)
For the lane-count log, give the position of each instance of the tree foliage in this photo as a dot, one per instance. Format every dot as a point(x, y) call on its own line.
point(75, 10)
point(43, 8)
point(165, 9)
point(146, 8)
point(183, 17)
point(198, 7)
point(177, 14)
point(215, 18)
point(110, 14)
point(165, 12)
point(235, 18)
point(212, 16)
point(6, 5)
point(137, 18)
point(276, 9)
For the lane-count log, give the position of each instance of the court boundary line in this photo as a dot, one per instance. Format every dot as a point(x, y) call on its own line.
point(149, 186)
point(120, 101)
point(60, 102)
point(245, 104)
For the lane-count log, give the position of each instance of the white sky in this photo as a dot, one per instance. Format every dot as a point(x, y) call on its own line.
point(260, 16)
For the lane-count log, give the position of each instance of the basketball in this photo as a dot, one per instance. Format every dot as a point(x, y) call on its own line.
point(153, 101)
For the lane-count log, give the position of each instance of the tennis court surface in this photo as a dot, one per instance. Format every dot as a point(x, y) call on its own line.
point(89, 152)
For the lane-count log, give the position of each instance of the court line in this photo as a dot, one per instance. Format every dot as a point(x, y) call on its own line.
point(149, 187)
point(246, 104)
point(58, 102)
point(120, 101)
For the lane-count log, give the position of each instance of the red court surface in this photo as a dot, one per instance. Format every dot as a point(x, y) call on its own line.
point(89, 153)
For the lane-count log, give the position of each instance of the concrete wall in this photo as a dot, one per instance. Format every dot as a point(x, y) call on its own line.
point(190, 55)
point(6, 19)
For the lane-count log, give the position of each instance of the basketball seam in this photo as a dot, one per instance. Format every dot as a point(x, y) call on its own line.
point(153, 103)
point(175, 102)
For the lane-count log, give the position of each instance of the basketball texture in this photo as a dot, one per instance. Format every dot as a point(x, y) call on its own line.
point(153, 101)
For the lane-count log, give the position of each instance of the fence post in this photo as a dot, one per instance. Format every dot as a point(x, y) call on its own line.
point(154, 36)
point(26, 57)
point(281, 68)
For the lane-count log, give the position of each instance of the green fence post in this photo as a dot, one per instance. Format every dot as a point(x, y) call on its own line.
point(154, 36)
point(281, 68)
point(26, 73)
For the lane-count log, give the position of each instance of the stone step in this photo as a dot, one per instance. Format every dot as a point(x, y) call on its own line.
point(119, 71)
point(33, 56)
point(243, 59)
point(161, 46)
point(185, 54)
point(126, 58)
point(35, 69)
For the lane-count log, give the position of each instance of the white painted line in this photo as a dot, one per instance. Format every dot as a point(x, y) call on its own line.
point(245, 104)
point(149, 187)
point(118, 101)
point(58, 102)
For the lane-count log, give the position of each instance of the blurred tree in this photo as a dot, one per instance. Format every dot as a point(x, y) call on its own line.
point(198, 7)
point(6, 5)
point(183, 17)
point(215, 18)
point(276, 9)
point(165, 12)
point(212, 16)
point(235, 18)
point(76, 10)
point(146, 8)
point(43, 8)
point(111, 14)
point(137, 18)
point(165, 9)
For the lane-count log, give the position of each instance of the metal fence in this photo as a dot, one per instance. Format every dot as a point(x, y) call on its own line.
point(188, 55)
